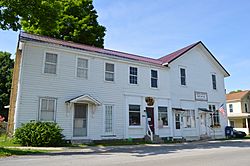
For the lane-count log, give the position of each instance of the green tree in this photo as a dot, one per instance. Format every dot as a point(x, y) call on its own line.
point(6, 68)
point(74, 20)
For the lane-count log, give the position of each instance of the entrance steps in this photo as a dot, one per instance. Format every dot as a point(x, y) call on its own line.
point(156, 139)
point(81, 141)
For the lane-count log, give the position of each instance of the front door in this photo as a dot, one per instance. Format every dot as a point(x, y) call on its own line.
point(177, 124)
point(150, 116)
point(203, 126)
point(80, 120)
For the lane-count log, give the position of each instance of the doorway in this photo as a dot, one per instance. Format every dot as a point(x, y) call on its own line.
point(80, 120)
point(150, 116)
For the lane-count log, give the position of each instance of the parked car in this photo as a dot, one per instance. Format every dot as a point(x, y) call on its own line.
point(238, 134)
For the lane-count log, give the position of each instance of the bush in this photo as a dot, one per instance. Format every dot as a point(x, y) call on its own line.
point(39, 134)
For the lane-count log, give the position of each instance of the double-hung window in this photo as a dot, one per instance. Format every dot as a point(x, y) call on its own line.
point(47, 109)
point(214, 81)
point(109, 118)
point(215, 116)
point(82, 68)
point(162, 116)
point(134, 115)
point(231, 108)
point(183, 76)
point(109, 72)
point(133, 72)
point(50, 63)
point(154, 79)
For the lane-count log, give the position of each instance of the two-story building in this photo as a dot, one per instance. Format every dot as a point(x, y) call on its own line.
point(238, 110)
point(95, 93)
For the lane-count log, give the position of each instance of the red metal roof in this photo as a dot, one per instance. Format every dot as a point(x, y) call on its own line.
point(170, 57)
point(39, 38)
point(161, 61)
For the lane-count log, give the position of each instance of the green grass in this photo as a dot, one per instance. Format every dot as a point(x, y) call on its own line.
point(9, 152)
point(7, 142)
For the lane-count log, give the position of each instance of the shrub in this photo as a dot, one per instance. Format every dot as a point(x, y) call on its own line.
point(39, 134)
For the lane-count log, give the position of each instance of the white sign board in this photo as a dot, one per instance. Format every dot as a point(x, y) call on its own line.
point(200, 96)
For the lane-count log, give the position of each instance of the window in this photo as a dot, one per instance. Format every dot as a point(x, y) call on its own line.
point(134, 115)
point(47, 109)
point(246, 108)
point(215, 116)
point(154, 79)
point(108, 118)
point(189, 119)
point(231, 123)
point(183, 76)
point(133, 75)
point(82, 68)
point(214, 81)
point(162, 116)
point(109, 72)
point(231, 108)
point(50, 63)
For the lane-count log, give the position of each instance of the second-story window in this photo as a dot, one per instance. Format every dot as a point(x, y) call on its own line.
point(183, 76)
point(231, 108)
point(154, 79)
point(109, 72)
point(82, 68)
point(214, 81)
point(50, 63)
point(246, 108)
point(133, 75)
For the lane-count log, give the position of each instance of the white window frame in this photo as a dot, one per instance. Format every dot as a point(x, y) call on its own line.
point(214, 110)
point(180, 76)
point(139, 125)
point(108, 71)
point(231, 109)
point(129, 74)
point(44, 62)
point(112, 120)
point(246, 107)
point(214, 81)
point(78, 57)
point(40, 108)
point(157, 79)
point(163, 113)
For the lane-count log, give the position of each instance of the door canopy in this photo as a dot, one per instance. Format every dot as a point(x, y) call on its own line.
point(84, 99)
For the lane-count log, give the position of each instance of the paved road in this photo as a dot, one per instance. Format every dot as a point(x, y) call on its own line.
point(235, 153)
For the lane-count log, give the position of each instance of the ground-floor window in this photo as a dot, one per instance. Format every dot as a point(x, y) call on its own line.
point(215, 116)
point(189, 119)
point(47, 109)
point(162, 116)
point(108, 118)
point(231, 123)
point(134, 115)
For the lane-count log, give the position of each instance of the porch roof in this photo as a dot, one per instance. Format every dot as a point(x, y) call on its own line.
point(84, 98)
point(238, 115)
point(205, 110)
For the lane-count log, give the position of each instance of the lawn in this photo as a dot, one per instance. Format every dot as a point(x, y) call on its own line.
point(6, 148)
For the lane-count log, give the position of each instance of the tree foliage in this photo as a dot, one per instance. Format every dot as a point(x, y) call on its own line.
point(6, 68)
point(74, 20)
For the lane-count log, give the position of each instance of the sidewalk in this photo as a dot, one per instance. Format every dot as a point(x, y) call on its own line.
point(98, 149)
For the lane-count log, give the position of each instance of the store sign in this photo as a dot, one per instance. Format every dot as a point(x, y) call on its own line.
point(200, 96)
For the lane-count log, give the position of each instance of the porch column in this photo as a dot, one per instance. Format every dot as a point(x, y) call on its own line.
point(247, 123)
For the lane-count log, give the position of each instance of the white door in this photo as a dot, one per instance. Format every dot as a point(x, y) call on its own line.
point(80, 120)
point(203, 126)
point(177, 124)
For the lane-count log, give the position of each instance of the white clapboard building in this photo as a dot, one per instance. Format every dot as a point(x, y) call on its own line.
point(95, 93)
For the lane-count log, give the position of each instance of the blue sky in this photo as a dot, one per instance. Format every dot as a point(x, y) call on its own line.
point(157, 27)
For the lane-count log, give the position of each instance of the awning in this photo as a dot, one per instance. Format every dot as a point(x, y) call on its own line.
point(205, 110)
point(83, 99)
point(178, 109)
